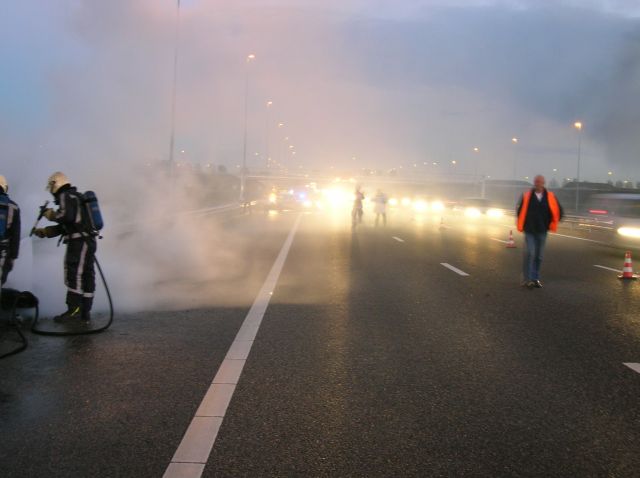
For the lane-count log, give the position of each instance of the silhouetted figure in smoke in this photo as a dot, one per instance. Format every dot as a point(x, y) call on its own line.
point(9, 231)
point(380, 207)
point(357, 213)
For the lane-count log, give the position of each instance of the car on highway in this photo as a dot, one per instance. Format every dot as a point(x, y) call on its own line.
point(615, 217)
point(300, 199)
point(478, 208)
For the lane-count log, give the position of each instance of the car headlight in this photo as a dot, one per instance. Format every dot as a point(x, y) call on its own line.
point(495, 213)
point(307, 204)
point(633, 232)
point(393, 202)
point(420, 206)
point(437, 206)
point(273, 198)
point(472, 212)
point(406, 202)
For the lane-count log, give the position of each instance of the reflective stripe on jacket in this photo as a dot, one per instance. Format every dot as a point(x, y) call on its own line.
point(554, 207)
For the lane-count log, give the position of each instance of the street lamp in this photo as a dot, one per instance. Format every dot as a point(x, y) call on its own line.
point(243, 174)
point(578, 126)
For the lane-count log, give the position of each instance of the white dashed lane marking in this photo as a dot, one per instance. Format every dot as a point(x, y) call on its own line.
point(633, 366)
point(398, 239)
point(454, 269)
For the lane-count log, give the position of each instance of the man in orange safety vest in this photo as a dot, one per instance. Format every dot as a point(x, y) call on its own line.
point(538, 213)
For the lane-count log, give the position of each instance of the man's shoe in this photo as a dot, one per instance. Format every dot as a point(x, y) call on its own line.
point(69, 314)
point(529, 284)
point(537, 284)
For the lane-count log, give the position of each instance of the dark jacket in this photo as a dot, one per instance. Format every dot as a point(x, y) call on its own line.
point(11, 243)
point(70, 216)
point(538, 216)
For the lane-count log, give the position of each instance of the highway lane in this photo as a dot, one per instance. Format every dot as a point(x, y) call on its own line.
point(117, 404)
point(397, 366)
point(373, 359)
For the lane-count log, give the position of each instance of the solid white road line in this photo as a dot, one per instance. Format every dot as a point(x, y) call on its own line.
point(633, 366)
point(576, 238)
point(454, 269)
point(194, 449)
point(499, 240)
point(608, 268)
point(398, 239)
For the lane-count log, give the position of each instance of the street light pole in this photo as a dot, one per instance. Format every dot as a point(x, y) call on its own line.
point(243, 173)
point(578, 125)
point(476, 150)
point(267, 131)
point(515, 142)
point(173, 92)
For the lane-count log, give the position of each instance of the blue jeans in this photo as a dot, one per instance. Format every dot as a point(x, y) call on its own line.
point(533, 254)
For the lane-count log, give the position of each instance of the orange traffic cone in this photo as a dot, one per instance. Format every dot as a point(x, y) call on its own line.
point(627, 272)
point(511, 244)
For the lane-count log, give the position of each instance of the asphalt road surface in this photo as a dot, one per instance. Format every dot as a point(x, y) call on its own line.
point(406, 350)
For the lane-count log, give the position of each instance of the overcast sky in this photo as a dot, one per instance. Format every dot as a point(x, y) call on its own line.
point(87, 83)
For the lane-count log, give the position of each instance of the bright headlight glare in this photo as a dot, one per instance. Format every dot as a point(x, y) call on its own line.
point(472, 212)
point(495, 213)
point(273, 198)
point(393, 202)
point(406, 202)
point(437, 206)
point(420, 206)
point(337, 198)
point(633, 232)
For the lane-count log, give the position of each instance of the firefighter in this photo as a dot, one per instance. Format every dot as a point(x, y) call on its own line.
point(357, 212)
point(380, 207)
point(9, 231)
point(73, 224)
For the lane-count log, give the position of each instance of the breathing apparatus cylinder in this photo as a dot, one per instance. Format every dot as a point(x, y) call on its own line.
point(93, 210)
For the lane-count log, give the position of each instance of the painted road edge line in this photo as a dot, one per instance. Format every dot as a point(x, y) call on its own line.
point(398, 239)
point(576, 238)
point(633, 366)
point(454, 269)
point(608, 268)
point(193, 452)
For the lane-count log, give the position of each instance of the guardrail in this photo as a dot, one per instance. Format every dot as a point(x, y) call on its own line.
point(575, 221)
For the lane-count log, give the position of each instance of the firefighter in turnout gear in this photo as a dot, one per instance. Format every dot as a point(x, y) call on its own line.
point(73, 224)
point(9, 231)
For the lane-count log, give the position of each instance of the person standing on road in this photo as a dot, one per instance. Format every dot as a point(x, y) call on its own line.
point(72, 223)
point(538, 213)
point(357, 213)
point(380, 207)
point(9, 231)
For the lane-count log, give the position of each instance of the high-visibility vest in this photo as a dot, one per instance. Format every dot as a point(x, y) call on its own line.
point(553, 206)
